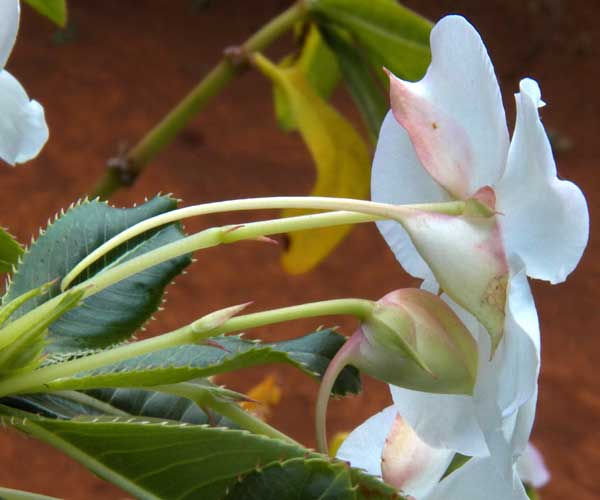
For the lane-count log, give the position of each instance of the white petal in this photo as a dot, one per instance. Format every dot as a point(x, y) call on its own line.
point(411, 465)
point(546, 220)
point(460, 86)
point(531, 467)
point(23, 129)
point(398, 177)
point(478, 479)
point(518, 357)
point(363, 447)
point(9, 25)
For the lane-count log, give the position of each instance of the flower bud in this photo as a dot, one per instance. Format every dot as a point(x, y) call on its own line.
point(413, 339)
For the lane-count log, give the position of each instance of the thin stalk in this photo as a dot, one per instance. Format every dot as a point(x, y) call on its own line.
point(204, 239)
point(342, 358)
point(37, 380)
point(230, 410)
point(377, 210)
point(196, 100)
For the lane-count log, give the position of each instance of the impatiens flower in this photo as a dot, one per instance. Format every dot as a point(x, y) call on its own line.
point(446, 139)
point(386, 446)
point(23, 129)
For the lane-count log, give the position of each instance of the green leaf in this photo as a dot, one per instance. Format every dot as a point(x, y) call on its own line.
point(366, 90)
point(155, 459)
point(397, 37)
point(55, 10)
point(115, 313)
point(145, 403)
point(10, 251)
point(318, 65)
point(340, 155)
point(296, 479)
point(311, 354)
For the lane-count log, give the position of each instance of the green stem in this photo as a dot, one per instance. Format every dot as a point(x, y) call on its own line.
point(37, 380)
point(376, 210)
point(215, 81)
point(230, 410)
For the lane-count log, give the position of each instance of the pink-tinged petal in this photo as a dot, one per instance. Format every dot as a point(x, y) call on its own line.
point(546, 220)
point(466, 256)
point(23, 129)
point(454, 115)
point(478, 479)
point(397, 177)
point(440, 143)
point(532, 468)
point(409, 464)
point(364, 446)
point(9, 25)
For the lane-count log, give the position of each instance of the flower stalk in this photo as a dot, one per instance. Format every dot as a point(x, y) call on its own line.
point(201, 329)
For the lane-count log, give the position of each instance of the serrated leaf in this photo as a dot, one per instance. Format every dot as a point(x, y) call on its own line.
point(113, 314)
point(10, 251)
point(318, 64)
point(296, 479)
point(55, 10)
point(369, 95)
point(311, 354)
point(340, 156)
point(155, 459)
point(146, 403)
point(126, 402)
point(397, 37)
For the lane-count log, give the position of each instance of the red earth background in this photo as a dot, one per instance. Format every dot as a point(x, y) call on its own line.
point(130, 60)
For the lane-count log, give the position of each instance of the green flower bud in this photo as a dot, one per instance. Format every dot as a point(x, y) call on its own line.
point(412, 339)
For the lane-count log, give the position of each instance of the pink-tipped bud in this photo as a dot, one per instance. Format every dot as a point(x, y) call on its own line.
point(413, 339)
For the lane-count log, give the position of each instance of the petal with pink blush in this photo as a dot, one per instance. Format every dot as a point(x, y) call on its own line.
point(532, 468)
point(397, 177)
point(363, 447)
point(409, 464)
point(466, 256)
point(455, 115)
point(440, 143)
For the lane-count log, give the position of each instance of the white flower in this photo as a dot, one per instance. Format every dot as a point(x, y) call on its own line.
point(386, 446)
point(23, 129)
point(446, 138)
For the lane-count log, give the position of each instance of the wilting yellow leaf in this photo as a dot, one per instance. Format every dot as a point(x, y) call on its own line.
point(266, 394)
point(340, 155)
point(336, 441)
point(320, 68)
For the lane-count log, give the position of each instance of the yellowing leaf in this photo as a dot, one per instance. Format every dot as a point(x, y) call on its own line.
point(336, 441)
point(340, 155)
point(265, 395)
point(319, 66)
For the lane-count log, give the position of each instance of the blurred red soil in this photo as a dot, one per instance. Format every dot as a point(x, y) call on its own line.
point(130, 61)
